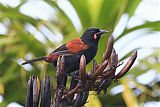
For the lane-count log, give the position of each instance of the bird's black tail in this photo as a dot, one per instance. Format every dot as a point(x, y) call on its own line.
point(34, 60)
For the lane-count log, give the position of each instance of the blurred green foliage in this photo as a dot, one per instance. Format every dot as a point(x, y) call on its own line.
point(19, 43)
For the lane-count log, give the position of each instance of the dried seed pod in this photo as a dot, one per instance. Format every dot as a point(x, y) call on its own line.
point(61, 82)
point(98, 71)
point(127, 66)
point(58, 64)
point(73, 83)
point(38, 87)
point(113, 59)
point(95, 65)
point(62, 64)
point(48, 90)
point(74, 80)
point(61, 77)
point(36, 92)
point(53, 104)
point(113, 62)
point(58, 97)
point(32, 92)
point(108, 48)
point(104, 85)
point(78, 100)
point(72, 92)
point(63, 74)
point(85, 97)
point(58, 71)
point(45, 93)
point(117, 59)
point(108, 67)
point(29, 98)
point(82, 69)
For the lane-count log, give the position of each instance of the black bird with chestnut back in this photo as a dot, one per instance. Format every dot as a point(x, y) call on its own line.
point(87, 44)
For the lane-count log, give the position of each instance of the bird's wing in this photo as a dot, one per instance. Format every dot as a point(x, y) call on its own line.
point(75, 46)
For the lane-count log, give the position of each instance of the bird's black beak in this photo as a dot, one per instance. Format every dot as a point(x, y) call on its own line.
point(102, 32)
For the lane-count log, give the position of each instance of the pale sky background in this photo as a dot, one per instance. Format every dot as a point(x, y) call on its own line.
point(147, 10)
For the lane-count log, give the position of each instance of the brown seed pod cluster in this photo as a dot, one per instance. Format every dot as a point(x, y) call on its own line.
point(98, 79)
point(38, 93)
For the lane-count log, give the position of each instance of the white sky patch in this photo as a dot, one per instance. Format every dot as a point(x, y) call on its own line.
point(71, 13)
point(3, 29)
point(14, 104)
point(12, 3)
point(142, 53)
point(1, 98)
point(117, 89)
point(55, 37)
point(146, 41)
point(135, 40)
point(143, 78)
point(121, 25)
point(158, 77)
point(137, 92)
point(134, 21)
point(38, 9)
point(151, 104)
point(39, 36)
point(149, 10)
point(120, 88)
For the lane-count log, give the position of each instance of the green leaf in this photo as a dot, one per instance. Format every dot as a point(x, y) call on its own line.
point(94, 9)
point(108, 13)
point(132, 6)
point(82, 9)
point(128, 95)
point(121, 11)
point(136, 71)
point(7, 41)
point(93, 101)
point(149, 65)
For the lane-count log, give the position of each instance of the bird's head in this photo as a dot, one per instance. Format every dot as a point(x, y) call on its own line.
point(92, 35)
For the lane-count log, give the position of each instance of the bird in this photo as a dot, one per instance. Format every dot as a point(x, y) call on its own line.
point(72, 51)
